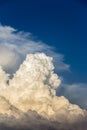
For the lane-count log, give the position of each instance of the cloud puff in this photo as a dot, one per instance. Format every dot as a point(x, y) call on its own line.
point(15, 45)
point(75, 92)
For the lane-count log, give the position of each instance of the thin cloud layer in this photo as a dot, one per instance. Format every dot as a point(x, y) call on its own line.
point(15, 45)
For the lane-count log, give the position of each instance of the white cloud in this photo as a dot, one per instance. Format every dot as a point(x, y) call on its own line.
point(33, 87)
point(14, 45)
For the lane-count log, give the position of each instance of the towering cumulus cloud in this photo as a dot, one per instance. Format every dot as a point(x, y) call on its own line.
point(30, 96)
point(33, 88)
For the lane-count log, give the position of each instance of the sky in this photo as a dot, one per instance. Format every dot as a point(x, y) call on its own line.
point(61, 24)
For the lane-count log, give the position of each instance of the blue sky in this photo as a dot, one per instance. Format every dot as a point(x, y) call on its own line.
point(59, 23)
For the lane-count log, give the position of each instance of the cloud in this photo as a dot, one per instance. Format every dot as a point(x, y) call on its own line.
point(76, 93)
point(33, 121)
point(33, 87)
point(30, 95)
point(15, 45)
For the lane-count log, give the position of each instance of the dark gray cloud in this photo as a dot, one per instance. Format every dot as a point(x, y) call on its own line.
point(32, 121)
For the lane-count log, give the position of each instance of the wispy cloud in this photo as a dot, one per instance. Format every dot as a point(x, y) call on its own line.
point(14, 45)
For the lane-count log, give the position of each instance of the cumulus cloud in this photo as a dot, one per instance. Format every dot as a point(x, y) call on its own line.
point(30, 96)
point(33, 87)
point(15, 45)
